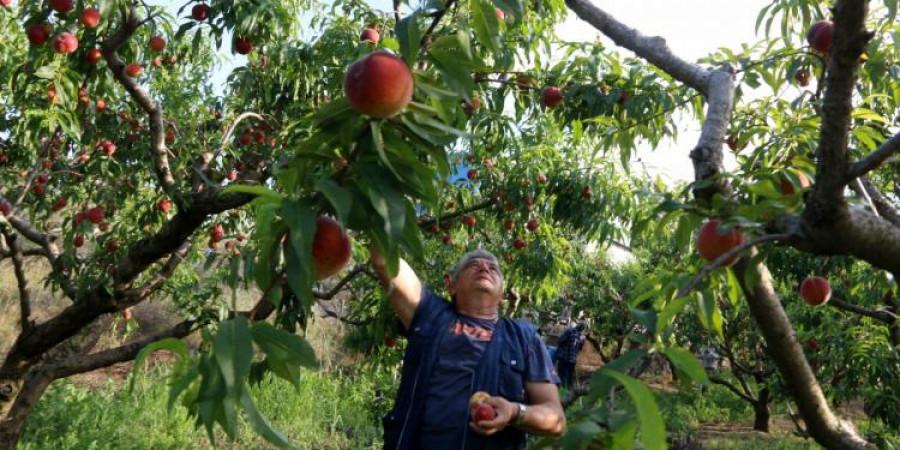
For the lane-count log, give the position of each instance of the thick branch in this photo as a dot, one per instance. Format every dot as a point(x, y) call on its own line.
point(849, 42)
point(133, 296)
point(19, 268)
point(126, 352)
point(858, 233)
point(98, 300)
point(875, 159)
point(882, 205)
point(880, 315)
point(174, 233)
point(142, 98)
point(652, 49)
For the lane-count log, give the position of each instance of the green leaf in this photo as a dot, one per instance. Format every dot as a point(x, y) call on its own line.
point(340, 197)
point(301, 220)
point(171, 344)
point(180, 383)
point(578, 435)
point(268, 233)
point(261, 191)
point(233, 351)
point(671, 309)
point(410, 35)
point(261, 425)
point(485, 23)
point(452, 63)
point(647, 318)
point(281, 345)
point(653, 430)
point(688, 363)
point(378, 141)
point(389, 204)
point(47, 73)
point(600, 385)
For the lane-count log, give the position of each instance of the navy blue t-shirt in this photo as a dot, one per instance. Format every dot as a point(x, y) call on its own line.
point(445, 417)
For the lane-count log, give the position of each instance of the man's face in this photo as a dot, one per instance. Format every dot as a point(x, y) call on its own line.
point(478, 275)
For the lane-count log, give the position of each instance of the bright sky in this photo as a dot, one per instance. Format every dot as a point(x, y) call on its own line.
point(692, 29)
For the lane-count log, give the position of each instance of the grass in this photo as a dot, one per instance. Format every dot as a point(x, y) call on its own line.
point(326, 412)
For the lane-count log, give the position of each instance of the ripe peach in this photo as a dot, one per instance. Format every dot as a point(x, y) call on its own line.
point(519, 244)
point(157, 44)
point(38, 34)
point(786, 186)
point(95, 215)
point(819, 36)
point(243, 45)
point(552, 97)
point(93, 56)
point(65, 43)
point(711, 242)
point(62, 6)
point(371, 35)
point(815, 290)
point(200, 12)
point(90, 18)
point(379, 85)
point(330, 249)
point(134, 70)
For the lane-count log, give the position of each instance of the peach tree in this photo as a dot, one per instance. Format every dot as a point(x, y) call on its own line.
point(132, 179)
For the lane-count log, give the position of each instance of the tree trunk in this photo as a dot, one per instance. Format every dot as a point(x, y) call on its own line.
point(785, 349)
point(19, 393)
point(12, 426)
point(761, 411)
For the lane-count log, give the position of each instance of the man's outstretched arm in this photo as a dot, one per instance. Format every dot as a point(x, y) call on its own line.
point(404, 290)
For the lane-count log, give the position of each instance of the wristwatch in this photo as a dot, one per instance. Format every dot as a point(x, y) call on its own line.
point(520, 418)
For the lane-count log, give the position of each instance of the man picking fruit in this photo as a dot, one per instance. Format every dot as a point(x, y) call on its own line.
point(471, 379)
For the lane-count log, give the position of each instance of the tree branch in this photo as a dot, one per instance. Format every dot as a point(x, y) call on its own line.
point(732, 388)
point(882, 205)
point(849, 41)
point(37, 166)
point(328, 295)
point(99, 300)
point(426, 38)
point(652, 49)
point(134, 296)
point(452, 215)
point(19, 268)
point(153, 109)
point(873, 160)
point(126, 352)
point(880, 315)
point(330, 313)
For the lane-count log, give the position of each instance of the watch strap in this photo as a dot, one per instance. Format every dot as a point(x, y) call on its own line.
point(520, 418)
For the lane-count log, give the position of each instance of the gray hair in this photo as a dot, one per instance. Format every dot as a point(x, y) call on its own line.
point(474, 254)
